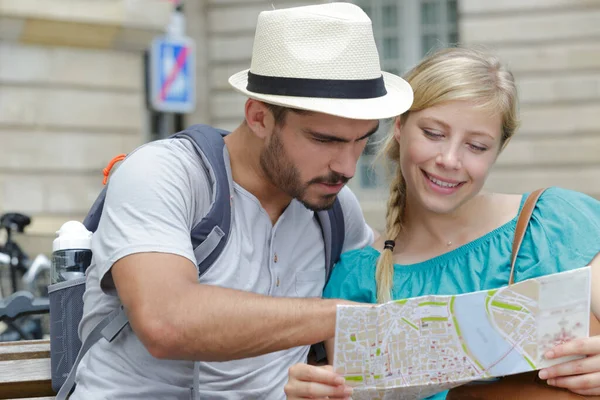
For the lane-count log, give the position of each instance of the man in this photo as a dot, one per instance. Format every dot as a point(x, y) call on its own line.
point(316, 93)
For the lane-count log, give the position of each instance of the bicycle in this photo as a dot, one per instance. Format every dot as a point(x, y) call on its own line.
point(16, 309)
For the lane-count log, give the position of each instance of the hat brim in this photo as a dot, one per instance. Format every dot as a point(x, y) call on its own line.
point(398, 99)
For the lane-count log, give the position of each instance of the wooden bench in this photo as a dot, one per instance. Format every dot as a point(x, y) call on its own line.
point(25, 370)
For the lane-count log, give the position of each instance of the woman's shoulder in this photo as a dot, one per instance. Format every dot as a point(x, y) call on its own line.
point(562, 234)
point(501, 208)
point(359, 258)
point(554, 202)
point(353, 277)
point(557, 203)
point(355, 264)
point(555, 193)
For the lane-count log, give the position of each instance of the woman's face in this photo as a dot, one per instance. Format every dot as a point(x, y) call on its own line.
point(446, 153)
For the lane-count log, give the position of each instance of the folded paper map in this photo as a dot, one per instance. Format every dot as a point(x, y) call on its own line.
point(413, 348)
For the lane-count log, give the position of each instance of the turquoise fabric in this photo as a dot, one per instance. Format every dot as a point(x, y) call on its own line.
point(563, 234)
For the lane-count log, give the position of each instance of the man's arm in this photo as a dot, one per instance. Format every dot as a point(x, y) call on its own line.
point(176, 317)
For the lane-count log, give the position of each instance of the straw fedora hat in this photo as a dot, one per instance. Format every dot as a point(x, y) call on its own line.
point(321, 58)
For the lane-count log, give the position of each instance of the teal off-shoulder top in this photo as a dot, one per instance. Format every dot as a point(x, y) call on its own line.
point(563, 234)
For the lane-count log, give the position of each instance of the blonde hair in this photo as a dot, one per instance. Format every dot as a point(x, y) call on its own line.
point(446, 75)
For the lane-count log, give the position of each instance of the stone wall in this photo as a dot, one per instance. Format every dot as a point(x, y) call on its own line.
point(71, 98)
point(553, 48)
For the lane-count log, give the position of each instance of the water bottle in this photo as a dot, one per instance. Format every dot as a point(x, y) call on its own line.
point(71, 252)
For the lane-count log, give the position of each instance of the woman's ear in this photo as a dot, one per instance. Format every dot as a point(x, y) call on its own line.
point(398, 127)
point(504, 145)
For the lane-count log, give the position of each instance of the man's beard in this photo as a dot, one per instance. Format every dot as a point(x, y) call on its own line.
point(283, 174)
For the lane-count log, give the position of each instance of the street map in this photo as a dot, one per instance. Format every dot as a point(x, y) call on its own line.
point(413, 348)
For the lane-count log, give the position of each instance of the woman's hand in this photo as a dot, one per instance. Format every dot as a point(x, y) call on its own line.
point(314, 382)
point(580, 376)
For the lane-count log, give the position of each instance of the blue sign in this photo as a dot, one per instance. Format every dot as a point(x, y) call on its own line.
point(172, 75)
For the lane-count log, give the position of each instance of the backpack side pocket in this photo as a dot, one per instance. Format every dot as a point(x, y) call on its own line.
point(66, 310)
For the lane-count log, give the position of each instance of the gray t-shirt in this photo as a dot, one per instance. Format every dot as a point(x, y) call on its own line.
point(154, 199)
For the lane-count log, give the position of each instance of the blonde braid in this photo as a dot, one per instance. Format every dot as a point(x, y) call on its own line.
point(384, 275)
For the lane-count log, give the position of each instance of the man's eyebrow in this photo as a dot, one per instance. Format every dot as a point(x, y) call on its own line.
point(333, 138)
point(371, 132)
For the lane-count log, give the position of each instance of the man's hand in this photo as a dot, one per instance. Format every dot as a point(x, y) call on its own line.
point(313, 382)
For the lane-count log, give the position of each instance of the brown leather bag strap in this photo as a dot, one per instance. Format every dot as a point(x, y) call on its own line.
point(522, 222)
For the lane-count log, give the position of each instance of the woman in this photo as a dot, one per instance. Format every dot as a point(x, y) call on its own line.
point(444, 235)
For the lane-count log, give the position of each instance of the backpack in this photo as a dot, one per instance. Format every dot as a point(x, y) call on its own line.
point(209, 237)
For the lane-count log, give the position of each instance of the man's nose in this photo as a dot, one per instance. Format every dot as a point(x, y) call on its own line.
point(345, 162)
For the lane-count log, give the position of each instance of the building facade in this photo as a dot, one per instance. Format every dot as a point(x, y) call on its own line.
point(72, 91)
point(71, 98)
point(552, 46)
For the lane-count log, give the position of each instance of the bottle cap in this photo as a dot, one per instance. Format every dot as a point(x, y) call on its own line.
point(72, 235)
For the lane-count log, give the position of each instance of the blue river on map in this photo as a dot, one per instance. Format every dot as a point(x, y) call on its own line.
point(483, 341)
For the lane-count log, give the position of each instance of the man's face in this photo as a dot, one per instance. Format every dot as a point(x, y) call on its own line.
point(311, 156)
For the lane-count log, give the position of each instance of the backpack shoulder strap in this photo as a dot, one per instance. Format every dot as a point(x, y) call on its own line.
point(92, 219)
point(334, 230)
point(108, 328)
point(210, 235)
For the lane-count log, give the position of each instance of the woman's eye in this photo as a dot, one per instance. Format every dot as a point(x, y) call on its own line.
point(477, 147)
point(432, 135)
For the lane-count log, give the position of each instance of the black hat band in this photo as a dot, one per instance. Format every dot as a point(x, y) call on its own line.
point(320, 88)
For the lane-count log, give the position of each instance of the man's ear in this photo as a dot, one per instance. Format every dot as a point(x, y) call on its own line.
point(258, 118)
